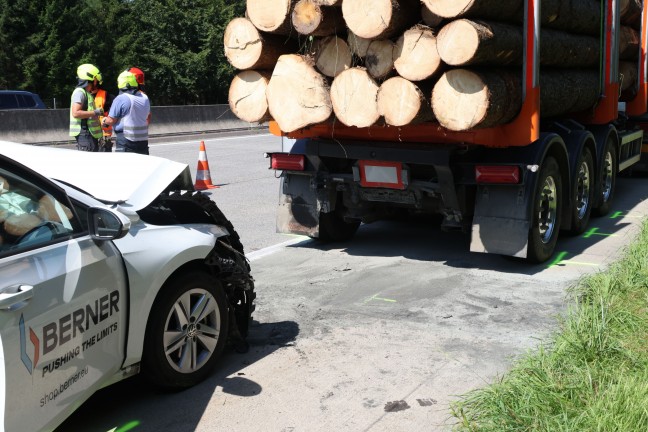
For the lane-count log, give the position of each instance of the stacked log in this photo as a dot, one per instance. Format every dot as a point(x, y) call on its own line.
point(629, 48)
point(401, 62)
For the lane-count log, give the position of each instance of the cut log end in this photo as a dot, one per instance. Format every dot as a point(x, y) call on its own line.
point(298, 95)
point(353, 95)
point(401, 102)
point(460, 100)
point(332, 56)
point(457, 42)
point(271, 17)
point(367, 18)
point(416, 56)
point(242, 43)
point(247, 96)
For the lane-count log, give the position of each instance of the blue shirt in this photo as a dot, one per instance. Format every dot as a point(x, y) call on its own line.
point(119, 109)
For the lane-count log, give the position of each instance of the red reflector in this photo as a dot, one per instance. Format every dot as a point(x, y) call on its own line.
point(497, 174)
point(288, 162)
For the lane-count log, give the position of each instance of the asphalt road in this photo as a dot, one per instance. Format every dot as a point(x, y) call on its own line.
point(379, 334)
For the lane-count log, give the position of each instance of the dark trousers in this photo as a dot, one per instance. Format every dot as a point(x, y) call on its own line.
point(86, 142)
point(126, 145)
point(105, 144)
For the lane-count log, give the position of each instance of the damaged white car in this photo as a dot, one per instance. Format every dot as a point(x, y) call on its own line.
point(110, 264)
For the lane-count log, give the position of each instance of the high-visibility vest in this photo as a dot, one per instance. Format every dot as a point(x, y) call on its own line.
point(92, 123)
point(135, 123)
point(100, 102)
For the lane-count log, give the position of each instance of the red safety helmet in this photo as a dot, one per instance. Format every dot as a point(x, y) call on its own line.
point(139, 75)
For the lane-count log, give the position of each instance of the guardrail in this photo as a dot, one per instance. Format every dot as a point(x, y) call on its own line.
point(50, 126)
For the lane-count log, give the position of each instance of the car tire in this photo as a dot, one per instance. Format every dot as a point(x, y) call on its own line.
point(182, 342)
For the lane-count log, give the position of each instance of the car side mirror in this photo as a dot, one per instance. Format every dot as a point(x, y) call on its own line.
point(106, 224)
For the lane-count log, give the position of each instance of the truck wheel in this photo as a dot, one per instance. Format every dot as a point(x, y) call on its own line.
point(186, 332)
point(606, 180)
point(582, 193)
point(546, 213)
point(333, 227)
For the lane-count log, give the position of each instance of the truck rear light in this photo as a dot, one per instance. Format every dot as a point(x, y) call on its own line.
point(288, 162)
point(497, 174)
point(382, 174)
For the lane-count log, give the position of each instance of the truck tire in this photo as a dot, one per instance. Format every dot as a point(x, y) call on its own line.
point(333, 227)
point(186, 332)
point(547, 208)
point(606, 179)
point(582, 192)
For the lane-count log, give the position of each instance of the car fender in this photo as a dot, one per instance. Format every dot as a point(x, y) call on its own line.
point(149, 267)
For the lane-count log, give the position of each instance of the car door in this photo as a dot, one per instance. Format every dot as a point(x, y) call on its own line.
point(62, 303)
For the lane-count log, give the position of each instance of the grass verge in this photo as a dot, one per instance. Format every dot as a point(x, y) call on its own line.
point(591, 374)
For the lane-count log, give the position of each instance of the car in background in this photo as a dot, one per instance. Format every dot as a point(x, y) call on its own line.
point(110, 264)
point(19, 99)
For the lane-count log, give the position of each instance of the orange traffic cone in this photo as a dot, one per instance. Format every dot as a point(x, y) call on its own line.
point(203, 177)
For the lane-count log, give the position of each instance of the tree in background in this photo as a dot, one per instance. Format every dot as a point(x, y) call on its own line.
point(178, 44)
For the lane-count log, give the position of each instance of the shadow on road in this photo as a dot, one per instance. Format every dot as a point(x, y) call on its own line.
point(422, 240)
point(114, 407)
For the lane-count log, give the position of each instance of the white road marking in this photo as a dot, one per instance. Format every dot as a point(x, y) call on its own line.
point(257, 254)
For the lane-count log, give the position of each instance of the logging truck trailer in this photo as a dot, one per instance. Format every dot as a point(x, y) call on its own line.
point(514, 187)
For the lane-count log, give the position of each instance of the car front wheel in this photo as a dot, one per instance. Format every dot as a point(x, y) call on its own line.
point(186, 332)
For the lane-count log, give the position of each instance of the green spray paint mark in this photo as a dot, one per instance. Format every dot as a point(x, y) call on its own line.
point(375, 297)
point(128, 426)
point(560, 260)
point(594, 231)
point(619, 214)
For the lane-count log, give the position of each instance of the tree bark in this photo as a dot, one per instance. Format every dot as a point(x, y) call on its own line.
point(380, 19)
point(379, 60)
point(567, 91)
point(353, 94)
point(271, 16)
point(298, 95)
point(311, 19)
point(332, 56)
point(628, 74)
point(402, 102)
point(358, 45)
point(466, 99)
point(470, 42)
point(629, 43)
point(630, 11)
point(502, 10)
point(248, 48)
point(247, 96)
point(576, 16)
point(416, 56)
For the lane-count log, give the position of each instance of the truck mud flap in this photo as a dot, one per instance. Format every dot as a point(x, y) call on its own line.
point(298, 211)
point(500, 224)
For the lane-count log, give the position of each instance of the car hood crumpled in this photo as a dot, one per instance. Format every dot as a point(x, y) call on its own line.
point(131, 179)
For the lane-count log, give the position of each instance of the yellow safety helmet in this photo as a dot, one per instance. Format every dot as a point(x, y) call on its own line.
point(89, 72)
point(126, 81)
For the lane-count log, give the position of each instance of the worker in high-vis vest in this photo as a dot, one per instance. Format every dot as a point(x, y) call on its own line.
point(129, 116)
point(103, 100)
point(84, 115)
